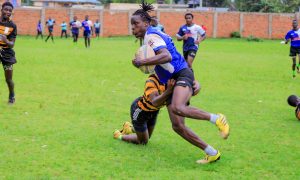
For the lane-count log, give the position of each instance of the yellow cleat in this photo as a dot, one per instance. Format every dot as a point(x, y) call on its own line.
point(117, 134)
point(223, 126)
point(127, 128)
point(210, 159)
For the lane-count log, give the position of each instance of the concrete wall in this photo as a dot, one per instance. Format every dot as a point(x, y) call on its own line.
point(117, 22)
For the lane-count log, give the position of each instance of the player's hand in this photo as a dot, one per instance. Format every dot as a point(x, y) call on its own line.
point(185, 37)
point(196, 87)
point(137, 61)
point(170, 84)
point(197, 41)
point(3, 38)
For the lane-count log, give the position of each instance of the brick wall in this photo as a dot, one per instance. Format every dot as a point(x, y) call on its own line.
point(117, 22)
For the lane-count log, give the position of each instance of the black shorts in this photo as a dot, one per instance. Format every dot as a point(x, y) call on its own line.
point(63, 31)
point(191, 53)
point(141, 120)
point(97, 30)
point(7, 57)
point(87, 34)
point(184, 77)
point(39, 32)
point(50, 29)
point(294, 51)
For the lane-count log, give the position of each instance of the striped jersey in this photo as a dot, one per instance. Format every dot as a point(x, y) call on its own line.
point(152, 85)
point(9, 29)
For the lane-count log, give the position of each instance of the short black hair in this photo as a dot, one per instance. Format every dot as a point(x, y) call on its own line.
point(143, 11)
point(7, 3)
point(189, 14)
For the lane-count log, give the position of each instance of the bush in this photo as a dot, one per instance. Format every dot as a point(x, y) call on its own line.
point(235, 34)
point(253, 38)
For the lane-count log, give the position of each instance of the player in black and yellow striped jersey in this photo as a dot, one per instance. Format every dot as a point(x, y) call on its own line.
point(8, 34)
point(144, 111)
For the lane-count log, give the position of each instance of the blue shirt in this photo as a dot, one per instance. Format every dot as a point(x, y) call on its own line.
point(193, 32)
point(294, 36)
point(63, 26)
point(87, 24)
point(158, 40)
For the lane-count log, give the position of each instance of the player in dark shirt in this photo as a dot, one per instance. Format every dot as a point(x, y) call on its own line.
point(8, 34)
point(294, 101)
point(75, 25)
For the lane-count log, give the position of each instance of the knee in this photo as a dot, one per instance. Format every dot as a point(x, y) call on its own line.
point(9, 81)
point(178, 109)
point(178, 127)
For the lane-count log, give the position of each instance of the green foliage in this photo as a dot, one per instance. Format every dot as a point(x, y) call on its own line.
point(253, 38)
point(69, 100)
point(235, 34)
point(288, 6)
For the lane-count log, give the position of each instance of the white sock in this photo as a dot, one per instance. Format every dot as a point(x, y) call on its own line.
point(210, 151)
point(213, 118)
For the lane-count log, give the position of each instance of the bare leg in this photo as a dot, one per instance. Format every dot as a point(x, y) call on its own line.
point(190, 61)
point(179, 127)
point(10, 84)
point(137, 138)
point(181, 96)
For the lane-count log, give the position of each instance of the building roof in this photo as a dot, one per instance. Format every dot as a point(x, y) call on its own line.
point(70, 1)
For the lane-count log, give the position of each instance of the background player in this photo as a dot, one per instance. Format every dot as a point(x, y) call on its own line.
point(294, 101)
point(63, 29)
point(171, 65)
point(50, 24)
point(192, 35)
point(87, 31)
point(97, 26)
point(75, 25)
point(39, 30)
point(156, 25)
point(8, 34)
point(294, 36)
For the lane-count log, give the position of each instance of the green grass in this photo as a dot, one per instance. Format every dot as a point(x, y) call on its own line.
point(70, 99)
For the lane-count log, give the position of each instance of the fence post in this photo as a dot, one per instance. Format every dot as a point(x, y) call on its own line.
point(270, 25)
point(241, 23)
point(43, 18)
point(215, 29)
point(101, 21)
point(129, 22)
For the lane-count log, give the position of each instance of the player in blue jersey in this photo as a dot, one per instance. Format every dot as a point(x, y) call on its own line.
point(87, 26)
point(75, 25)
point(154, 23)
point(50, 24)
point(294, 36)
point(64, 27)
point(97, 26)
point(192, 35)
point(171, 65)
point(39, 30)
point(8, 34)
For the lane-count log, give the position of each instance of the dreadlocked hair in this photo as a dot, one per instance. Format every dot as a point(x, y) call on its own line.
point(143, 11)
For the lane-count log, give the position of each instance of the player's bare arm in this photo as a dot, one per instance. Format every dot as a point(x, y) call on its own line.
point(162, 56)
point(158, 100)
point(10, 43)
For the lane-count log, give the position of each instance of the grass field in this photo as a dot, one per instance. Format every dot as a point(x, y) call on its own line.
point(70, 99)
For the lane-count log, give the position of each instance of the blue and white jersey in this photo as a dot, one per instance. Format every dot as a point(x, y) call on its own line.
point(158, 40)
point(87, 24)
point(97, 25)
point(294, 36)
point(193, 32)
point(159, 27)
point(50, 22)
